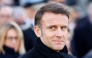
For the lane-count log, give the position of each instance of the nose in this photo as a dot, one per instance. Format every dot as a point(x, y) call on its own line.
point(59, 33)
point(14, 41)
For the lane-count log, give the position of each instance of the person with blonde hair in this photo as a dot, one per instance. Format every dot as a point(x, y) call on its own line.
point(11, 41)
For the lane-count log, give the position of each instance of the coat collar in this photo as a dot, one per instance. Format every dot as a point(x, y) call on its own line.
point(9, 50)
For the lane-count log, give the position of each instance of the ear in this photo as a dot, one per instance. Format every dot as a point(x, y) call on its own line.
point(37, 31)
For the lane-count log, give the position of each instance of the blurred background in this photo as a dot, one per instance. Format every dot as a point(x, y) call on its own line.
point(22, 12)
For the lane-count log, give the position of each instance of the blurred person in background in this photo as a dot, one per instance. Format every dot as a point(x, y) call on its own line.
point(60, 1)
point(81, 43)
point(68, 41)
point(22, 2)
point(6, 2)
point(11, 41)
point(72, 20)
point(6, 14)
point(71, 27)
point(23, 21)
point(31, 10)
point(21, 18)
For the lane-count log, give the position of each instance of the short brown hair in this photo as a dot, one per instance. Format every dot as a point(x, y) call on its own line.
point(54, 7)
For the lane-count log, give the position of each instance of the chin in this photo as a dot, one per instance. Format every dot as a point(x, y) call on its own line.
point(58, 47)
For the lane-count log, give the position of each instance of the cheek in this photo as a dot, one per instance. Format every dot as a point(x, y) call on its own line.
point(17, 46)
point(66, 34)
point(50, 38)
point(7, 43)
point(65, 37)
point(46, 36)
point(17, 43)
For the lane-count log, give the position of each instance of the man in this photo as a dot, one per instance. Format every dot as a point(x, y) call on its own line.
point(82, 39)
point(51, 23)
point(6, 14)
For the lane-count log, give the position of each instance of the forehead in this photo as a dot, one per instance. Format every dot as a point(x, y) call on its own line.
point(12, 33)
point(11, 30)
point(51, 18)
point(5, 10)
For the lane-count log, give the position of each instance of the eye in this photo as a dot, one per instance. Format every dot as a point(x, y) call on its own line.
point(52, 27)
point(64, 27)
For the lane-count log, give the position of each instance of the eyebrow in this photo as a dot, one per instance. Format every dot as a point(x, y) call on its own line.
point(65, 26)
point(56, 25)
point(52, 25)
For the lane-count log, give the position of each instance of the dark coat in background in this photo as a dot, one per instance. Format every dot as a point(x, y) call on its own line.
point(42, 51)
point(9, 53)
point(29, 37)
point(82, 39)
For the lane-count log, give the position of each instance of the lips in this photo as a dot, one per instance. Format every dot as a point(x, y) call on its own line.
point(58, 41)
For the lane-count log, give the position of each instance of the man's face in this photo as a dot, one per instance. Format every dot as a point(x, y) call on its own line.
point(5, 16)
point(53, 31)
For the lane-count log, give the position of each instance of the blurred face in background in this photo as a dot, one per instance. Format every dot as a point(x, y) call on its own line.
point(11, 39)
point(5, 15)
point(4, 2)
point(89, 11)
point(20, 19)
point(19, 15)
point(60, 1)
point(29, 12)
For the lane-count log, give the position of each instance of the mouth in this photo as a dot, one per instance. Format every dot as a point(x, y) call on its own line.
point(58, 41)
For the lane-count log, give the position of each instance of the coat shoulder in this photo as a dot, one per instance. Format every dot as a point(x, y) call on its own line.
point(27, 55)
point(71, 56)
